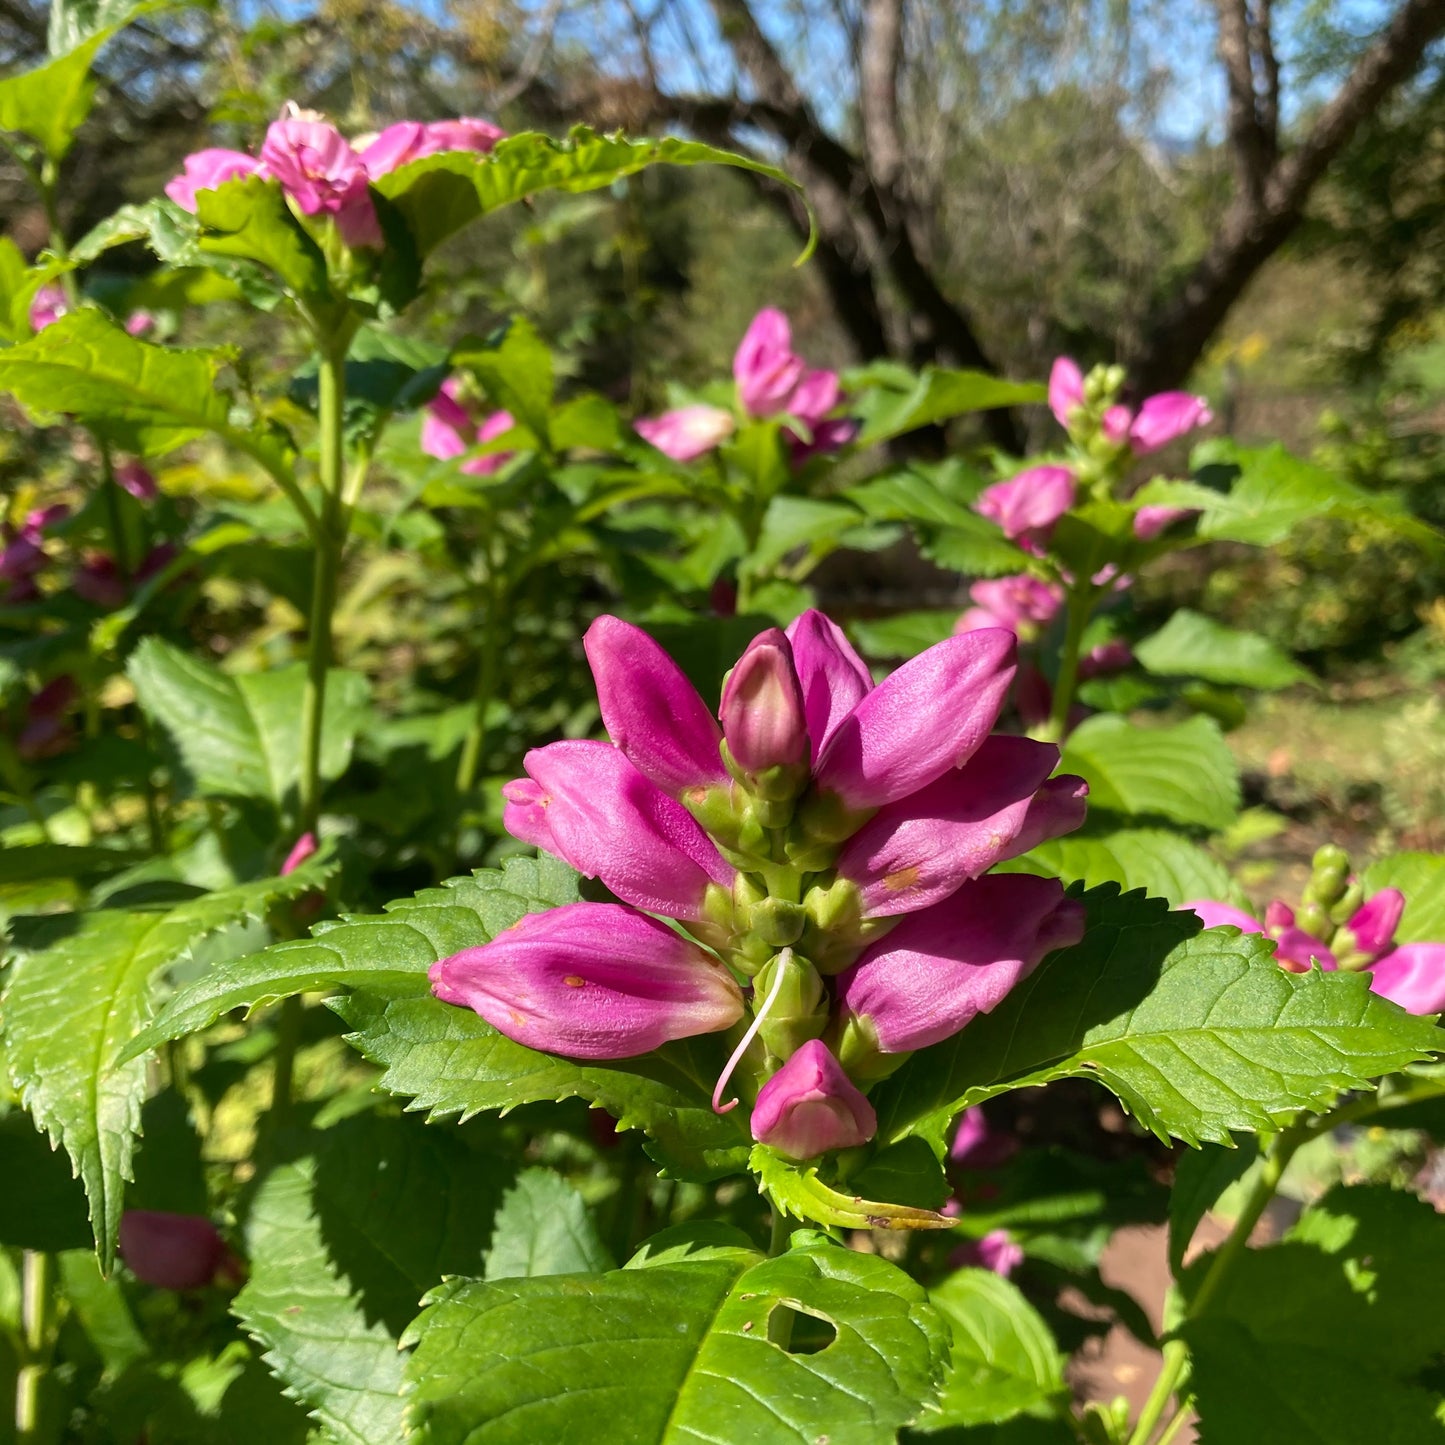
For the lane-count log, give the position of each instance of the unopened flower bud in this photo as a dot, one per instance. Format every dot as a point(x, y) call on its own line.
point(1329, 877)
point(776, 921)
point(170, 1251)
point(763, 720)
point(799, 1007)
point(811, 1107)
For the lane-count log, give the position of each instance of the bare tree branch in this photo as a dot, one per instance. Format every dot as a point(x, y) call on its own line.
point(882, 53)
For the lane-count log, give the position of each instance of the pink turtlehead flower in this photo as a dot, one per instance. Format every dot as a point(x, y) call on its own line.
point(1028, 505)
point(921, 849)
point(411, 140)
point(1021, 603)
point(1413, 976)
point(997, 1251)
point(447, 432)
point(498, 424)
point(762, 711)
point(591, 981)
point(764, 366)
point(688, 432)
point(207, 170)
point(1105, 659)
point(833, 678)
point(50, 303)
point(587, 804)
point(302, 849)
point(324, 177)
point(977, 1146)
point(811, 1107)
point(1160, 420)
point(651, 711)
point(134, 478)
point(139, 323)
point(1066, 389)
point(941, 968)
point(171, 1251)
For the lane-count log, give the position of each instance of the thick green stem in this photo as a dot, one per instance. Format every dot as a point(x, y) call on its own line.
point(1079, 609)
point(1176, 1352)
point(780, 1234)
point(36, 1301)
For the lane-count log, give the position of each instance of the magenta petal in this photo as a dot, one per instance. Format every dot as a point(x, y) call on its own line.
point(496, 425)
point(764, 366)
point(1114, 424)
point(1057, 808)
point(1300, 951)
point(1375, 921)
point(762, 707)
point(815, 396)
point(1164, 417)
point(833, 677)
point(395, 146)
point(170, 1251)
point(916, 851)
point(206, 170)
point(977, 1146)
point(1413, 976)
point(939, 969)
point(810, 1106)
point(929, 716)
point(609, 822)
point(304, 848)
point(650, 709)
point(1150, 521)
point(1278, 916)
point(1066, 388)
point(1215, 914)
point(1027, 505)
point(591, 981)
point(524, 815)
point(999, 1252)
point(1019, 603)
point(688, 432)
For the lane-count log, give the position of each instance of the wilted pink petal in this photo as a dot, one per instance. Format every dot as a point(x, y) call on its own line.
point(609, 822)
point(688, 432)
point(1027, 506)
point(1164, 417)
point(810, 1107)
point(496, 425)
point(591, 981)
point(1150, 521)
point(1066, 389)
point(302, 849)
point(1373, 924)
point(50, 303)
point(170, 1251)
point(929, 716)
point(762, 707)
point(1412, 976)
point(207, 170)
point(939, 969)
point(135, 479)
point(324, 176)
point(918, 850)
point(764, 366)
point(833, 677)
point(650, 709)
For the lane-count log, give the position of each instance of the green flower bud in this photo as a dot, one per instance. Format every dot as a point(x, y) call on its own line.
point(800, 1010)
point(1330, 877)
point(776, 921)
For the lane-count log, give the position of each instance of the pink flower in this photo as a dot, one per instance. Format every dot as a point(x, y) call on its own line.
point(1027, 506)
point(1165, 417)
point(996, 1251)
point(811, 1107)
point(941, 968)
point(1066, 389)
point(1021, 603)
point(929, 716)
point(207, 170)
point(323, 176)
point(447, 431)
point(302, 849)
point(48, 306)
point(1372, 926)
point(688, 432)
point(1412, 976)
point(411, 140)
point(139, 323)
point(496, 425)
point(1150, 521)
point(976, 1146)
point(591, 981)
point(171, 1251)
point(764, 366)
point(651, 711)
point(1295, 950)
point(762, 707)
point(833, 678)
point(587, 804)
point(135, 479)
point(921, 849)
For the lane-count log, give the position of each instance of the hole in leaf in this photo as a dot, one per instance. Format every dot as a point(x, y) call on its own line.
point(799, 1331)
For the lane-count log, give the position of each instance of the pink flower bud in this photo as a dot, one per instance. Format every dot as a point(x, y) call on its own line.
point(1165, 417)
point(1057, 808)
point(170, 1251)
point(496, 425)
point(929, 716)
point(762, 707)
point(1373, 924)
point(976, 1146)
point(764, 366)
point(1278, 916)
point(1150, 521)
point(1027, 506)
point(1066, 389)
point(50, 303)
point(302, 849)
point(140, 323)
point(650, 709)
point(1412, 976)
point(811, 1107)
point(591, 981)
point(939, 969)
point(207, 170)
point(996, 1251)
point(834, 679)
point(324, 177)
point(135, 479)
point(410, 140)
point(917, 851)
point(587, 804)
point(1114, 424)
point(688, 432)
point(829, 435)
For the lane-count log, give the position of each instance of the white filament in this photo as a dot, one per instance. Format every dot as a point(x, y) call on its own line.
point(747, 1038)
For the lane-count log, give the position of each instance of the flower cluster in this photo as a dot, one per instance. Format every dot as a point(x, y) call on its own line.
point(818, 852)
point(1337, 927)
point(324, 174)
point(771, 380)
point(448, 431)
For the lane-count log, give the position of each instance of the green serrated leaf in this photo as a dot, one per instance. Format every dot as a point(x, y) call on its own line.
point(517, 374)
point(797, 1190)
point(239, 735)
point(1197, 1033)
point(543, 1227)
point(1184, 772)
point(248, 218)
point(939, 395)
point(1004, 1361)
point(903, 636)
point(1421, 878)
point(61, 860)
point(1200, 1177)
point(74, 999)
point(1192, 645)
point(50, 103)
point(681, 1351)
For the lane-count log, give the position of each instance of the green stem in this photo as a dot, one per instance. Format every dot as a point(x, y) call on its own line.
point(1176, 1352)
point(114, 523)
point(1080, 608)
point(1181, 1416)
point(780, 1233)
point(36, 1300)
point(471, 759)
